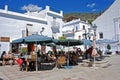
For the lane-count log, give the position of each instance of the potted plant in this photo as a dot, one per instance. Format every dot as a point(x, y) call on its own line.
point(108, 48)
point(100, 53)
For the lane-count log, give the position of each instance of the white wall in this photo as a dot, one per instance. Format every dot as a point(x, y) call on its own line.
point(5, 46)
point(49, 18)
point(12, 24)
point(13, 28)
point(105, 22)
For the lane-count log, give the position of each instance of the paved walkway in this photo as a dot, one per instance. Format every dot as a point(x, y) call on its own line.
point(104, 71)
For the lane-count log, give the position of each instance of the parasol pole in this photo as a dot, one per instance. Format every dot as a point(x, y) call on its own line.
point(94, 62)
point(94, 52)
point(69, 67)
point(68, 55)
point(36, 58)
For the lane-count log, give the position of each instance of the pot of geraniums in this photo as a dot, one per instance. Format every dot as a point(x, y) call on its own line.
point(108, 49)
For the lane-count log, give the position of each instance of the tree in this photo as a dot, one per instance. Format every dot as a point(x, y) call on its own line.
point(108, 47)
point(62, 37)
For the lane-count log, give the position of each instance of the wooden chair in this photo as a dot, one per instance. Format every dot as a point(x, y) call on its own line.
point(61, 61)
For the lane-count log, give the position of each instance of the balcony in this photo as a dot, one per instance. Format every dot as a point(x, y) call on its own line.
point(55, 26)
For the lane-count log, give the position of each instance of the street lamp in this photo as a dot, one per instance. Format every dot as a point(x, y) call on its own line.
point(87, 35)
point(94, 29)
point(94, 51)
point(42, 30)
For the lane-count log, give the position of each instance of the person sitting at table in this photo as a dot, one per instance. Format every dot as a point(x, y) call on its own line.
point(4, 58)
point(74, 58)
point(53, 57)
point(32, 61)
point(11, 58)
point(89, 52)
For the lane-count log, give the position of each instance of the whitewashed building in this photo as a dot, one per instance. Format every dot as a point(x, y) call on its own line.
point(108, 23)
point(13, 25)
point(77, 29)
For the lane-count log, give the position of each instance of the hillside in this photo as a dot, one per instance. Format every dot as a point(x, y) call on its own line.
point(83, 16)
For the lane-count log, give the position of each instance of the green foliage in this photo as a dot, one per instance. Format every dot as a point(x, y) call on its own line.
point(84, 16)
point(62, 37)
point(108, 47)
point(24, 50)
point(99, 52)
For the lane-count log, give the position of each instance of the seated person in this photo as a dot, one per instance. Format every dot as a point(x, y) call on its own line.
point(51, 57)
point(11, 58)
point(32, 61)
point(4, 57)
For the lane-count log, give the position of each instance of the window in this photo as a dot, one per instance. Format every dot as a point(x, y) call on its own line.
point(79, 37)
point(100, 35)
point(54, 18)
point(83, 27)
point(76, 28)
point(54, 21)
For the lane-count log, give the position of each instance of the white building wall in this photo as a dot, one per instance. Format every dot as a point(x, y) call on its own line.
point(108, 23)
point(49, 16)
point(105, 22)
point(13, 24)
point(13, 28)
point(70, 28)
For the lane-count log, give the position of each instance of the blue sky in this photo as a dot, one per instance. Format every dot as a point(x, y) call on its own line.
point(67, 6)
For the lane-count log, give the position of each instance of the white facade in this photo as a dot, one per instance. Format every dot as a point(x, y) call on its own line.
point(14, 25)
point(75, 29)
point(105, 23)
point(109, 24)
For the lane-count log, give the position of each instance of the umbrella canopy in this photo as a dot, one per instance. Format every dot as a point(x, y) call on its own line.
point(69, 42)
point(39, 39)
point(107, 41)
point(87, 42)
point(18, 41)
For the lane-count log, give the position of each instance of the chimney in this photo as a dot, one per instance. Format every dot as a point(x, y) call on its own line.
point(6, 8)
point(28, 12)
point(47, 8)
point(61, 12)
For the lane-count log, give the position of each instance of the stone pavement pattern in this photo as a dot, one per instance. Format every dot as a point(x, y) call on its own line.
point(110, 71)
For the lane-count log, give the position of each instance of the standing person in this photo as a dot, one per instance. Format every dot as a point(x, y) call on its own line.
point(89, 52)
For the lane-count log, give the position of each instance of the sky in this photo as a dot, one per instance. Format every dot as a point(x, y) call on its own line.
point(67, 6)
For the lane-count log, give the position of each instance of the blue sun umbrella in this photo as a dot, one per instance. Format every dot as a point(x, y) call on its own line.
point(69, 42)
point(39, 39)
point(86, 42)
point(35, 39)
point(107, 41)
